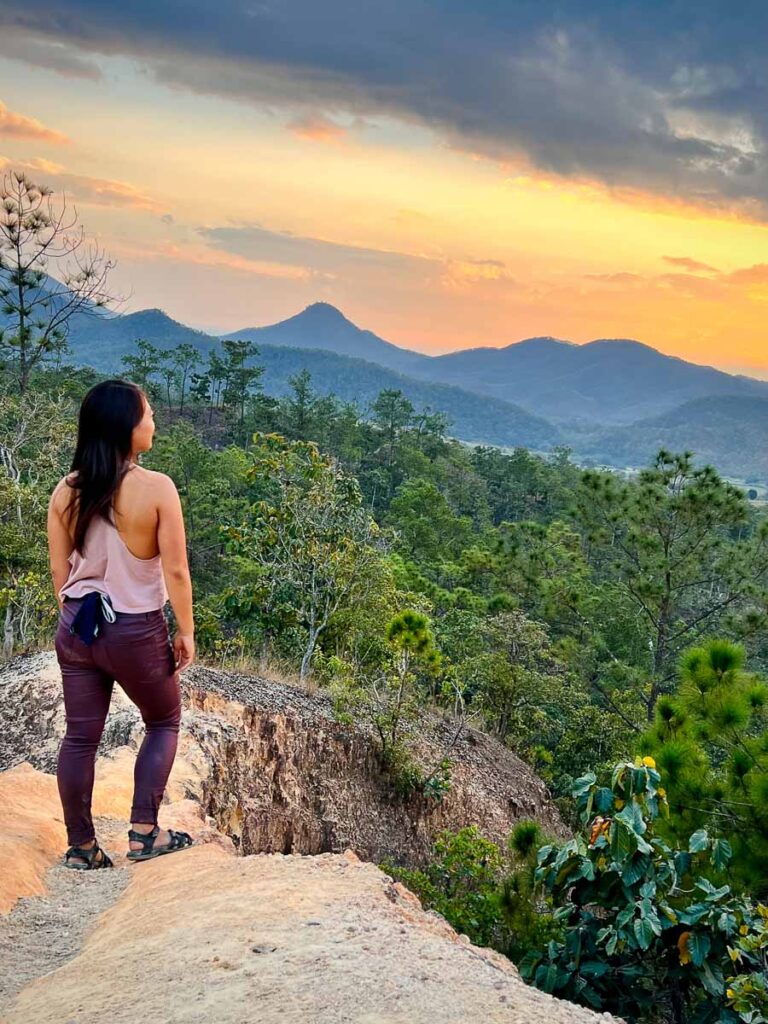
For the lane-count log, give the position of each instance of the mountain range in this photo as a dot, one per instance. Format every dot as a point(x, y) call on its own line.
point(613, 400)
point(604, 381)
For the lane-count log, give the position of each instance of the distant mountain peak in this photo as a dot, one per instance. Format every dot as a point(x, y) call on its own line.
point(323, 311)
point(627, 343)
point(541, 341)
point(151, 311)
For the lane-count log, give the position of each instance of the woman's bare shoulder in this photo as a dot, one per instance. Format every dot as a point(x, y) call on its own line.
point(150, 481)
point(62, 492)
point(65, 486)
point(150, 477)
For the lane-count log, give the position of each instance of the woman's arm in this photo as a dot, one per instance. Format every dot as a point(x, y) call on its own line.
point(172, 542)
point(60, 543)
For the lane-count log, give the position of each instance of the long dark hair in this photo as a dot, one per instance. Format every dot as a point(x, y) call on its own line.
point(108, 415)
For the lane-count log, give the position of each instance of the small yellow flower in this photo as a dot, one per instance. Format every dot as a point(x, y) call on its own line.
point(734, 954)
point(744, 930)
point(729, 992)
point(649, 762)
point(662, 792)
point(618, 804)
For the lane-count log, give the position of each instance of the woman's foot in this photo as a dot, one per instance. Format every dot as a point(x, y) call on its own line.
point(161, 839)
point(147, 841)
point(87, 857)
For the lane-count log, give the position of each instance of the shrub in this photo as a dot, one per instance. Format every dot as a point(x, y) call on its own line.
point(646, 933)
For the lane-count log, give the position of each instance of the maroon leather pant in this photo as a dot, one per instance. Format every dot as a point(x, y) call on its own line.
point(135, 651)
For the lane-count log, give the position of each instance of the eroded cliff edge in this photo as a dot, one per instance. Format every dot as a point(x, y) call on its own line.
point(206, 935)
point(278, 773)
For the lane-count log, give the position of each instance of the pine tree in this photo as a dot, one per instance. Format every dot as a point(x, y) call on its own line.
point(48, 273)
point(710, 741)
point(679, 544)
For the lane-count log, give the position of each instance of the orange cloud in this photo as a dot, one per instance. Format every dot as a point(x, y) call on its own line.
point(702, 207)
point(20, 127)
point(202, 256)
point(317, 129)
point(757, 274)
point(620, 278)
point(460, 275)
point(88, 190)
point(717, 285)
point(693, 266)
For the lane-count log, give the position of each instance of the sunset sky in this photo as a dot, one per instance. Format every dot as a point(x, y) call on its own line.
point(447, 174)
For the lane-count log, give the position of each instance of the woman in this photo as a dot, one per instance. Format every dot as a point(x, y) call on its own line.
point(117, 553)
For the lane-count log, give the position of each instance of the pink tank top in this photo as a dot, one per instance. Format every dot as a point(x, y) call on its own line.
point(133, 584)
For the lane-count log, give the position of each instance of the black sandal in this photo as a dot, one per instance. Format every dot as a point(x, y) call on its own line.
point(179, 841)
point(88, 854)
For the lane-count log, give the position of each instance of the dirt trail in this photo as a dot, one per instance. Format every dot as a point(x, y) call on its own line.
point(208, 937)
point(204, 936)
point(41, 933)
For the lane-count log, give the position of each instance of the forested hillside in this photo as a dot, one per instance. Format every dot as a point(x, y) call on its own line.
point(548, 605)
point(729, 431)
point(101, 342)
point(605, 381)
point(538, 393)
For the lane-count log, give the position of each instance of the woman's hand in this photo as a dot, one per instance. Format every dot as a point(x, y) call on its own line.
point(183, 650)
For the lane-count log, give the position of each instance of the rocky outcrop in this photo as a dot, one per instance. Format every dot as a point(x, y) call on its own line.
point(204, 937)
point(277, 773)
point(208, 936)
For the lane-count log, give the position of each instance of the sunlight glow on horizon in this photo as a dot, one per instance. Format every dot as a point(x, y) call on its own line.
point(224, 214)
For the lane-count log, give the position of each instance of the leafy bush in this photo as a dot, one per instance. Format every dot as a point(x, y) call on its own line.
point(483, 891)
point(646, 933)
point(461, 883)
point(747, 992)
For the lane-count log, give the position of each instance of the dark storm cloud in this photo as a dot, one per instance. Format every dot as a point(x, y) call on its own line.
point(664, 96)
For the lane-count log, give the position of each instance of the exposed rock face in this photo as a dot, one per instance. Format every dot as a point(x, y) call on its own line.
point(206, 936)
point(277, 773)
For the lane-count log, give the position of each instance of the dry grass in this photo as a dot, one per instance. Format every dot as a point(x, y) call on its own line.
point(272, 668)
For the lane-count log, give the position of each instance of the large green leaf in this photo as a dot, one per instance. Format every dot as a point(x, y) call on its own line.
point(623, 841)
point(635, 869)
point(712, 978)
point(699, 841)
point(693, 914)
point(721, 853)
point(699, 945)
point(603, 800)
point(643, 932)
point(632, 817)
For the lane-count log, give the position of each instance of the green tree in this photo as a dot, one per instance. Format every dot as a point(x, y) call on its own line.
point(429, 529)
point(300, 404)
point(240, 381)
point(49, 273)
point(186, 357)
point(677, 542)
point(710, 739)
point(461, 882)
point(391, 414)
point(36, 436)
point(170, 376)
point(143, 364)
point(311, 542)
point(646, 933)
